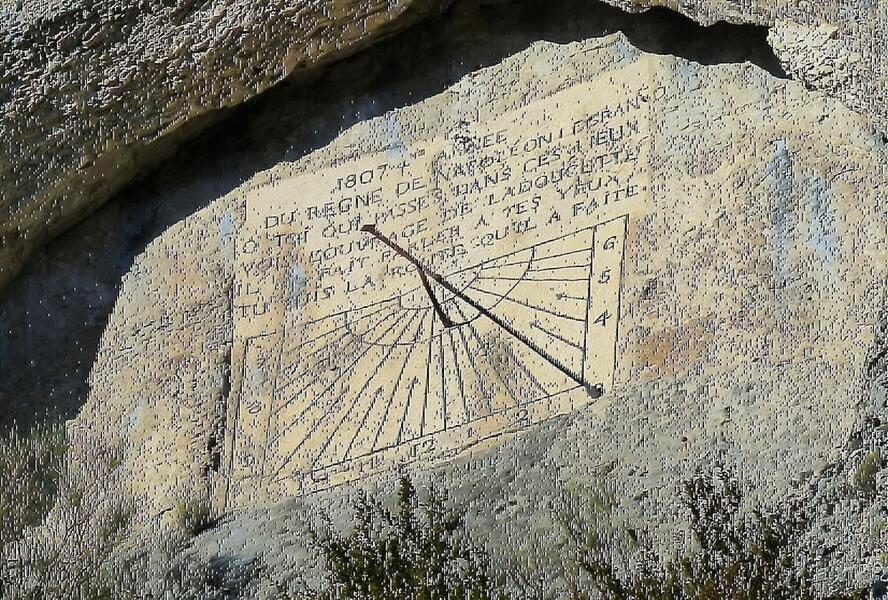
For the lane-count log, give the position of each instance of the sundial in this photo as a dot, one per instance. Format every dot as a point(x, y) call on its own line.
point(409, 305)
point(478, 308)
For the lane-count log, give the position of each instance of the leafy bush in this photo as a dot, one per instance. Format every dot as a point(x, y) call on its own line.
point(31, 464)
point(739, 557)
point(418, 552)
point(408, 555)
point(865, 477)
point(30, 471)
point(194, 516)
point(70, 558)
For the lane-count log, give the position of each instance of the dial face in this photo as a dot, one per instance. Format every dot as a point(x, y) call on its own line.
point(423, 303)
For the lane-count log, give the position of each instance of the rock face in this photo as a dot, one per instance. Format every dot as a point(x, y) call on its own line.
point(627, 260)
point(844, 62)
point(94, 93)
point(834, 47)
point(53, 314)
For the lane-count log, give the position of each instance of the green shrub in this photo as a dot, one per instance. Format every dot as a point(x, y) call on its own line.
point(73, 557)
point(30, 470)
point(865, 477)
point(194, 516)
point(31, 464)
point(415, 553)
point(418, 552)
point(739, 557)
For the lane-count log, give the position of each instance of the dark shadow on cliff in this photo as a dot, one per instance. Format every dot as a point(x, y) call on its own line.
point(53, 314)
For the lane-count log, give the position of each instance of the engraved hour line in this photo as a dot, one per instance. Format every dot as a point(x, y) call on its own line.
point(325, 390)
point(343, 326)
point(297, 378)
point(505, 294)
point(372, 403)
point(511, 356)
point(486, 264)
point(462, 388)
point(394, 388)
point(311, 405)
point(589, 298)
point(492, 263)
point(349, 311)
point(413, 383)
point(556, 336)
point(316, 379)
point(479, 266)
point(425, 399)
point(445, 319)
point(545, 243)
point(425, 393)
point(443, 382)
point(388, 406)
point(595, 391)
point(558, 279)
point(528, 305)
point(471, 359)
point(562, 296)
point(481, 345)
point(561, 268)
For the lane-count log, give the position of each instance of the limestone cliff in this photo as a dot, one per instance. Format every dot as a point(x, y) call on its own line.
point(753, 280)
point(95, 93)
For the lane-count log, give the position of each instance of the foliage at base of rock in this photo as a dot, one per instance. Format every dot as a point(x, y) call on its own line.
point(194, 516)
point(30, 468)
point(865, 477)
point(738, 556)
point(420, 551)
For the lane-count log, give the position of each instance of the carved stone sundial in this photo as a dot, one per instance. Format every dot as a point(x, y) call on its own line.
point(477, 308)
point(417, 304)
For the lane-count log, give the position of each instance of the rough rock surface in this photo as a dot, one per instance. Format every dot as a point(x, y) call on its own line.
point(93, 93)
point(755, 280)
point(53, 314)
point(835, 47)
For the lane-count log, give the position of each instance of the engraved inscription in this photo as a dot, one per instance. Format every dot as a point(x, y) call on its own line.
point(408, 304)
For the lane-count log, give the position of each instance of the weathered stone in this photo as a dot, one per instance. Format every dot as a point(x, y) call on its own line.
point(95, 93)
point(827, 58)
point(53, 314)
point(754, 275)
point(835, 47)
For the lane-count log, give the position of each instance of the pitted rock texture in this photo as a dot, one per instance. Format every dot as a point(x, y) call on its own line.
point(53, 314)
point(847, 65)
point(93, 93)
point(832, 46)
point(756, 274)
